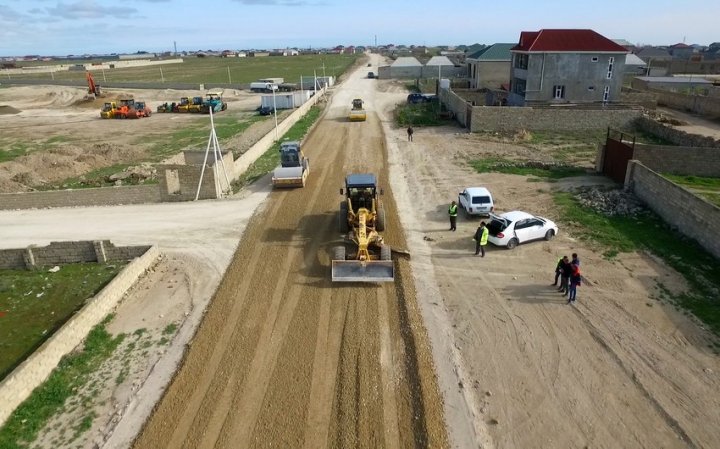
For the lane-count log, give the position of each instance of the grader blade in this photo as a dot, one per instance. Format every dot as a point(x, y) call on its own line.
point(356, 271)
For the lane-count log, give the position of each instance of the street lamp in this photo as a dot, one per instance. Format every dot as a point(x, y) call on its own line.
point(274, 88)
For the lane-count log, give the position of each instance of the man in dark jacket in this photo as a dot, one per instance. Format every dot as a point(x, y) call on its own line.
point(481, 238)
point(565, 272)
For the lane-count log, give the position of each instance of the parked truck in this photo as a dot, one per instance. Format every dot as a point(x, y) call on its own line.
point(266, 84)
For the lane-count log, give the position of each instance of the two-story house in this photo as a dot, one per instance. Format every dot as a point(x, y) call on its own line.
point(565, 66)
point(489, 68)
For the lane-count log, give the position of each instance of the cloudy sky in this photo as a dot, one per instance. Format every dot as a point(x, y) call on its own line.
point(50, 27)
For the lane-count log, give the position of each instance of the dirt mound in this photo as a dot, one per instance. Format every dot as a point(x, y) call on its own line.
point(8, 110)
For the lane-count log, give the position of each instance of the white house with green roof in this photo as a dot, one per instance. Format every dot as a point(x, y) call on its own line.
point(489, 68)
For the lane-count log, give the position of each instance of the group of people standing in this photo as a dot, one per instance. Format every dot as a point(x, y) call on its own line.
point(568, 271)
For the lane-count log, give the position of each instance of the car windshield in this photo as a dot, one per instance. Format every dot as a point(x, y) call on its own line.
point(480, 199)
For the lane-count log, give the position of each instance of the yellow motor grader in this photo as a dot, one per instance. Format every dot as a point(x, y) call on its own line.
point(361, 218)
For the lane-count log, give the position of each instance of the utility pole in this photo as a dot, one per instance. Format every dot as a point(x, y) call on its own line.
point(175, 47)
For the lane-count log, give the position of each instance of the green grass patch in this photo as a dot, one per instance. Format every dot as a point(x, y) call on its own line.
point(420, 114)
point(71, 374)
point(506, 166)
point(695, 182)
point(11, 149)
point(170, 329)
point(714, 198)
point(648, 232)
point(271, 158)
point(214, 70)
point(34, 304)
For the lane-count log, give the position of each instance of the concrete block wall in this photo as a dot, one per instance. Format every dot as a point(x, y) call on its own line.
point(12, 259)
point(489, 118)
point(106, 196)
point(58, 253)
point(692, 215)
point(676, 136)
point(456, 104)
point(708, 106)
point(684, 161)
point(18, 386)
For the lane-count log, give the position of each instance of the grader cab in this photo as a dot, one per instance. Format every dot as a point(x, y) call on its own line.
point(366, 258)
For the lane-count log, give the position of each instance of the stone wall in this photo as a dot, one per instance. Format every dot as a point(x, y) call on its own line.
point(684, 161)
point(692, 215)
point(179, 182)
point(707, 106)
point(59, 253)
point(675, 136)
point(489, 118)
point(105, 196)
point(31, 373)
point(456, 104)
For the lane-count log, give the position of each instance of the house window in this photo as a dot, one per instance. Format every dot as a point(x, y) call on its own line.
point(611, 63)
point(591, 88)
point(558, 92)
point(594, 59)
point(606, 94)
point(521, 61)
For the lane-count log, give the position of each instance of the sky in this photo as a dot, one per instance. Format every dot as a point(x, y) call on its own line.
point(51, 27)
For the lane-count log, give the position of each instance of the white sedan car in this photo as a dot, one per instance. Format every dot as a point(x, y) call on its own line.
point(512, 228)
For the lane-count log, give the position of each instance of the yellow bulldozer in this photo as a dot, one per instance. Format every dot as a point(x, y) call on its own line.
point(357, 113)
point(361, 219)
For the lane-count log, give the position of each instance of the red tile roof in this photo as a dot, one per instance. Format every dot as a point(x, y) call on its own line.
point(566, 40)
point(680, 45)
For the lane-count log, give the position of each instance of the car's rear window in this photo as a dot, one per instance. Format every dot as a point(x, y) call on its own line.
point(481, 200)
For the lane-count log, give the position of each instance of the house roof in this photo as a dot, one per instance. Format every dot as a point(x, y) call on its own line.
point(680, 45)
point(623, 42)
point(633, 59)
point(495, 52)
point(440, 60)
point(406, 61)
point(653, 52)
point(569, 40)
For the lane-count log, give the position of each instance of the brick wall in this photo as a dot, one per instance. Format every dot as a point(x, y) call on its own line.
point(18, 385)
point(675, 136)
point(707, 106)
point(489, 118)
point(106, 196)
point(692, 215)
point(59, 253)
point(685, 161)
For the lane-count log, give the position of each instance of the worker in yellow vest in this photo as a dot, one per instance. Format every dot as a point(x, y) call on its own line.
point(481, 239)
point(453, 215)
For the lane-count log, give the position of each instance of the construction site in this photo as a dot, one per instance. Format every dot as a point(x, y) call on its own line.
point(333, 308)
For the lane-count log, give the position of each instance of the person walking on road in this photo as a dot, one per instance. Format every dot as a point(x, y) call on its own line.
point(452, 211)
point(575, 279)
point(481, 238)
point(410, 133)
point(565, 272)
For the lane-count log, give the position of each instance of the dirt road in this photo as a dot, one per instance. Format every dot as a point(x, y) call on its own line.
point(285, 358)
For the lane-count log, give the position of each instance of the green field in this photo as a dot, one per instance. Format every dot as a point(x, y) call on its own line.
point(214, 70)
point(33, 304)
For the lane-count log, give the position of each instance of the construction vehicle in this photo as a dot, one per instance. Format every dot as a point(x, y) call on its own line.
point(361, 219)
point(194, 105)
point(294, 166)
point(93, 89)
point(213, 101)
point(183, 105)
point(123, 109)
point(167, 107)
point(138, 110)
point(108, 110)
point(357, 113)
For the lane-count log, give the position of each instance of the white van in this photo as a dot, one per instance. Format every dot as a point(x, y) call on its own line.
point(476, 201)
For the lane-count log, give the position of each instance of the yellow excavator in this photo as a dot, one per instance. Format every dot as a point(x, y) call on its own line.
point(357, 113)
point(362, 218)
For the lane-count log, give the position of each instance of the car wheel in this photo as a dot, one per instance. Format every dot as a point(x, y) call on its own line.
point(549, 235)
point(512, 243)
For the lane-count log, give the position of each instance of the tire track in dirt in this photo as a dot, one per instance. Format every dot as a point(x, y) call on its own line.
point(304, 361)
